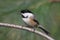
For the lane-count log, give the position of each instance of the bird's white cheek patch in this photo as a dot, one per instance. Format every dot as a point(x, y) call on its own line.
point(25, 15)
point(26, 20)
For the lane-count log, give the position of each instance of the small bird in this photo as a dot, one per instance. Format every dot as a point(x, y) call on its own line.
point(29, 18)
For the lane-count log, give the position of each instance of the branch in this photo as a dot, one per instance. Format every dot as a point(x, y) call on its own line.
point(26, 28)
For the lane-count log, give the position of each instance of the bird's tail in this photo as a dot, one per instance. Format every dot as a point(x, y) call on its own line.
point(43, 29)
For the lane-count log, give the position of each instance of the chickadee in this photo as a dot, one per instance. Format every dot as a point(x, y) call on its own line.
point(30, 20)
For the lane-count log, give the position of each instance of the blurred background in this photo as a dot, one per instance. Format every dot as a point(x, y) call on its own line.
point(47, 13)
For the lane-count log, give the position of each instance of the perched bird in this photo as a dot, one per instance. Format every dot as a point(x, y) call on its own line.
point(29, 18)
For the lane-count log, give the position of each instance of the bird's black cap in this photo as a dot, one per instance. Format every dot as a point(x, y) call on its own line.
point(26, 11)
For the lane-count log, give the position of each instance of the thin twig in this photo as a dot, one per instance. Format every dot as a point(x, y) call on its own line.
point(26, 28)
